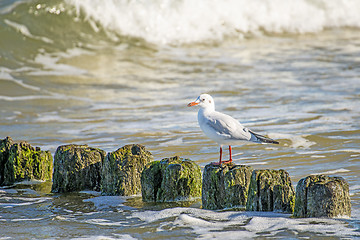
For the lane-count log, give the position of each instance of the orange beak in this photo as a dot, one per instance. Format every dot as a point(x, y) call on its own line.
point(192, 104)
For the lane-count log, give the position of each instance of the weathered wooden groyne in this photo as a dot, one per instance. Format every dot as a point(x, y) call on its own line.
point(121, 170)
point(225, 186)
point(21, 161)
point(131, 170)
point(322, 196)
point(171, 179)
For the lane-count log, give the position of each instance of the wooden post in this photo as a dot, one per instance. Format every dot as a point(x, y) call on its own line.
point(322, 196)
point(122, 169)
point(271, 190)
point(225, 186)
point(171, 179)
point(77, 168)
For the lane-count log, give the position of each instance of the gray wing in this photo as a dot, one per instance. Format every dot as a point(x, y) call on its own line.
point(228, 127)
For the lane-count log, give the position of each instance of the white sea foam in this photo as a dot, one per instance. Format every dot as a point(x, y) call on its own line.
point(340, 170)
point(215, 224)
point(8, 190)
point(315, 154)
point(330, 227)
point(354, 187)
point(297, 141)
point(53, 117)
point(103, 222)
point(29, 191)
point(229, 235)
point(27, 202)
point(202, 225)
point(164, 21)
point(318, 156)
point(37, 97)
point(25, 31)
point(347, 150)
point(25, 98)
point(21, 83)
point(117, 237)
point(26, 219)
point(152, 216)
point(255, 163)
point(6, 76)
point(8, 9)
point(52, 65)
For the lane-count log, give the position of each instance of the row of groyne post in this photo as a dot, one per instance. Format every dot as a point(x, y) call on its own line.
point(131, 170)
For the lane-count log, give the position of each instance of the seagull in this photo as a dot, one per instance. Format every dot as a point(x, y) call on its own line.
point(224, 129)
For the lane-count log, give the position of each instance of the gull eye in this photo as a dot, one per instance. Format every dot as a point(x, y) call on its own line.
point(203, 99)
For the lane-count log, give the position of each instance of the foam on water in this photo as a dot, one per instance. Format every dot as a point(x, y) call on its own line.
point(117, 236)
point(324, 226)
point(103, 222)
point(208, 223)
point(254, 163)
point(163, 21)
point(341, 170)
point(24, 202)
point(8, 190)
point(7, 9)
point(5, 75)
point(51, 65)
point(26, 219)
point(53, 96)
point(297, 141)
point(54, 117)
point(25, 31)
point(318, 156)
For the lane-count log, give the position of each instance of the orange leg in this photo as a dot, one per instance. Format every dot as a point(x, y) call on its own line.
point(219, 163)
point(220, 156)
point(230, 157)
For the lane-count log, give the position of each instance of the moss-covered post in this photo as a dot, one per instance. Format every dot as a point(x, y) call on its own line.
point(27, 163)
point(225, 186)
point(5, 146)
point(271, 190)
point(322, 196)
point(151, 179)
point(122, 169)
point(171, 179)
point(77, 168)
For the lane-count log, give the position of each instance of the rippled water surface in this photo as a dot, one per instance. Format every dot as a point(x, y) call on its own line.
point(88, 83)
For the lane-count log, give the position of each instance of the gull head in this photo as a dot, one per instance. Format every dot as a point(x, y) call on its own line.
point(204, 101)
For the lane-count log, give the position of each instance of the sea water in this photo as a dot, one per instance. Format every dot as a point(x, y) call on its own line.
point(109, 73)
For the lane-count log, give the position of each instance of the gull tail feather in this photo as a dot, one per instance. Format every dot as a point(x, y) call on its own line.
point(262, 139)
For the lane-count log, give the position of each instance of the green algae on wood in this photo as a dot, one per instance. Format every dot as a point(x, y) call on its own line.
point(151, 178)
point(5, 146)
point(225, 186)
point(27, 163)
point(322, 196)
point(122, 169)
point(171, 179)
point(77, 168)
point(271, 190)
